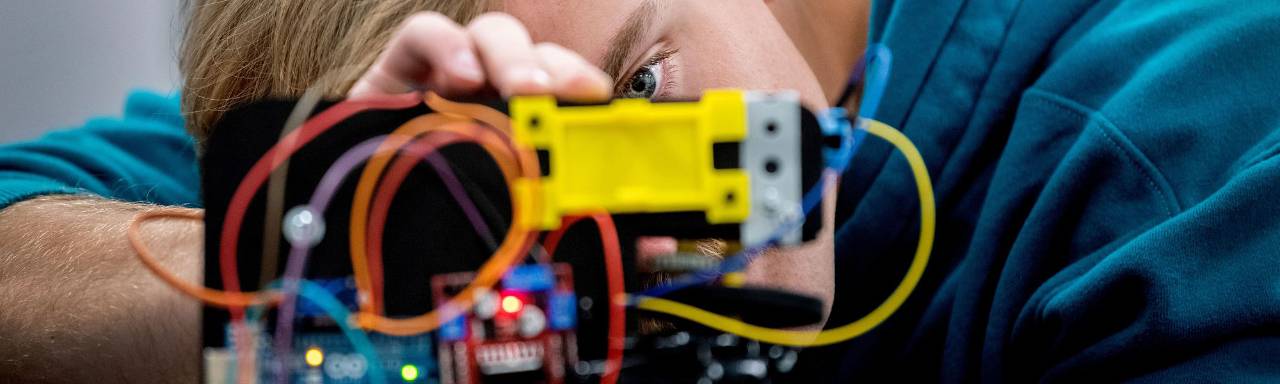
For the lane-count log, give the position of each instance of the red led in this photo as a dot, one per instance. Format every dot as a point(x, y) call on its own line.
point(511, 304)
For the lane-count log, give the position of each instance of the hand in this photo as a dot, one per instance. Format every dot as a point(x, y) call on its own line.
point(431, 52)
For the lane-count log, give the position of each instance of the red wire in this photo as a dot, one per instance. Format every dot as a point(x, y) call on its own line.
point(387, 189)
point(553, 238)
point(391, 181)
point(266, 164)
point(263, 168)
point(617, 291)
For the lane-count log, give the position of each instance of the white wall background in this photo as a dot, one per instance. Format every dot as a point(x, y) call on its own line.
point(63, 61)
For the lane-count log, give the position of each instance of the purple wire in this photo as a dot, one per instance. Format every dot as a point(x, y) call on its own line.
point(319, 202)
point(468, 207)
point(298, 254)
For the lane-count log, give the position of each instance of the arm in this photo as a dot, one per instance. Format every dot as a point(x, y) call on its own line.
point(77, 305)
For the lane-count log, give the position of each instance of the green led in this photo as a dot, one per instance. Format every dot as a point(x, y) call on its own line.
point(409, 372)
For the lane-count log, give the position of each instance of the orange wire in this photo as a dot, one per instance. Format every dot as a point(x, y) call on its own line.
point(479, 112)
point(389, 185)
point(212, 296)
point(364, 188)
point(518, 241)
point(373, 170)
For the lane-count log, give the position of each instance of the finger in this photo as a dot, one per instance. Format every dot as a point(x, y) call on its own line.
point(429, 51)
point(507, 53)
point(649, 248)
point(572, 77)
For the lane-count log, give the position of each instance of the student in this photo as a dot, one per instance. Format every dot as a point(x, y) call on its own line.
point(1103, 171)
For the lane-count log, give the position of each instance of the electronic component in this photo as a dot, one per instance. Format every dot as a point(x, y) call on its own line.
point(327, 357)
point(733, 165)
point(744, 167)
point(733, 156)
point(520, 331)
point(322, 353)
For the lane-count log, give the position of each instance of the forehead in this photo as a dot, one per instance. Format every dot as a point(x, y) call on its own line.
point(584, 26)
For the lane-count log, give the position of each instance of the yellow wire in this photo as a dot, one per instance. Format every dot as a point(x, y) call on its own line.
point(854, 329)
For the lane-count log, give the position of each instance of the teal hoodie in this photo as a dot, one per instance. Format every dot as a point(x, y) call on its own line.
point(1107, 182)
point(144, 155)
point(1105, 175)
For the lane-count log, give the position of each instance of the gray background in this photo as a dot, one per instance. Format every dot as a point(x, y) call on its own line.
point(63, 61)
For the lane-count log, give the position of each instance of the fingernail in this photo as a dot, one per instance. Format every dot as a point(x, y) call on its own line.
point(585, 87)
point(603, 84)
point(466, 65)
point(528, 80)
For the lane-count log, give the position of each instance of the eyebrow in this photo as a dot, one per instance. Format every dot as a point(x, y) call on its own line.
point(627, 37)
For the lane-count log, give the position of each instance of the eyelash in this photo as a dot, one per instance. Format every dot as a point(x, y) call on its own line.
point(667, 68)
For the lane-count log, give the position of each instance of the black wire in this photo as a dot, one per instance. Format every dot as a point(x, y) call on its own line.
point(489, 210)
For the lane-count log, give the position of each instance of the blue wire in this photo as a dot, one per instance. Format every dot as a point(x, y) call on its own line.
point(359, 340)
point(333, 308)
point(878, 60)
point(877, 81)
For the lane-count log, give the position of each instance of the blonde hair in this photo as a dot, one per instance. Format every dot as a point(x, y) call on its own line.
point(242, 50)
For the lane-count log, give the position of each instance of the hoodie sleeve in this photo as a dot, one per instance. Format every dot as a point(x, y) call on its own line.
point(143, 156)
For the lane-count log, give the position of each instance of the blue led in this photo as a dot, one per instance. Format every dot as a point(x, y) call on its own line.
point(453, 330)
point(529, 278)
point(562, 310)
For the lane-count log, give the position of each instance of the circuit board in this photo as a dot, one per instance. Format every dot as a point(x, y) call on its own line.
point(747, 159)
point(320, 353)
point(521, 331)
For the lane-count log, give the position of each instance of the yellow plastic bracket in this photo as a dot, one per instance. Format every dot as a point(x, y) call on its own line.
point(636, 156)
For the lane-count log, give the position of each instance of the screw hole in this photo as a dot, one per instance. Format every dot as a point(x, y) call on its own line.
point(771, 166)
point(771, 127)
point(534, 122)
point(729, 197)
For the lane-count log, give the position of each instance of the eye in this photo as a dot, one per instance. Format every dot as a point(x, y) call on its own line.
point(651, 81)
point(644, 83)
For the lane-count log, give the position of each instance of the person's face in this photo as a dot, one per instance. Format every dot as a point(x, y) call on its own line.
point(674, 49)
